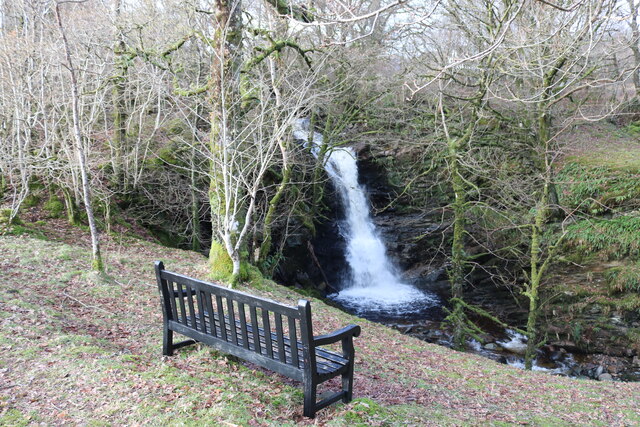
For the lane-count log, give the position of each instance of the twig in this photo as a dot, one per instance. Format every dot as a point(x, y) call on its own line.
point(85, 305)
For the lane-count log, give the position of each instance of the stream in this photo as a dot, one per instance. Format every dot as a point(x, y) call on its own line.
point(373, 288)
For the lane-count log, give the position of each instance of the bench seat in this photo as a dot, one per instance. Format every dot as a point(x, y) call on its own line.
point(327, 362)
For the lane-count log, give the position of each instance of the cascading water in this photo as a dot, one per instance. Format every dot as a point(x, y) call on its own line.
point(373, 288)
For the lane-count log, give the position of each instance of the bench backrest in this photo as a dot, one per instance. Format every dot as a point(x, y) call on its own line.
point(262, 331)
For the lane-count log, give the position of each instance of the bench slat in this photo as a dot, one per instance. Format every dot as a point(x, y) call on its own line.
point(232, 321)
point(201, 309)
point(254, 321)
point(280, 338)
point(223, 328)
point(266, 325)
point(209, 304)
point(192, 311)
point(243, 325)
point(172, 301)
point(293, 339)
point(183, 313)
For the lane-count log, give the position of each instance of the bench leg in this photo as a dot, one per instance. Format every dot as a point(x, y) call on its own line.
point(167, 342)
point(310, 399)
point(347, 385)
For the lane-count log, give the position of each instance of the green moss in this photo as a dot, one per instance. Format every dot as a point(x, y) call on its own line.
point(219, 262)
point(167, 237)
point(171, 154)
point(312, 293)
point(634, 128)
point(5, 215)
point(176, 127)
point(31, 200)
point(18, 230)
point(364, 411)
point(55, 207)
point(13, 417)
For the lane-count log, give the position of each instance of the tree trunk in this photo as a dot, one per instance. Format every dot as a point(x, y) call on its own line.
point(537, 266)
point(265, 247)
point(70, 205)
point(456, 272)
point(96, 263)
point(120, 113)
point(195, 212)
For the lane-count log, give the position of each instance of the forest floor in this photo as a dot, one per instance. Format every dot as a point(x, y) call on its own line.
point(82, 348)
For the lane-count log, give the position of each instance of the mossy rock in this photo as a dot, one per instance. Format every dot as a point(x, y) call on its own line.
point(5, 215)
point(55, 207)
point(176, 127)
point(170, 154)
point(31, 200)
point(222, 268)
point(220, 262)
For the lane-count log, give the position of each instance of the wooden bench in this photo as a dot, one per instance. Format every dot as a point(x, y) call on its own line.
point(273, 335)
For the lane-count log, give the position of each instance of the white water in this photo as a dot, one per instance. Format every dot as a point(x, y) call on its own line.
point(517, 342)
point(373, 286)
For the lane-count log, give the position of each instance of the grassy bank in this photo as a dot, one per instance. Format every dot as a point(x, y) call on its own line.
point(77, 348)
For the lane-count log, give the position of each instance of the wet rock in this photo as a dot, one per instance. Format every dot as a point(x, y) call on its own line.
point(491, 346)
point(605, 377)
point(406, 329)
point(599, 371)
point(557, 356)
point(566, 345)
point(636, 361)
point(516, 345)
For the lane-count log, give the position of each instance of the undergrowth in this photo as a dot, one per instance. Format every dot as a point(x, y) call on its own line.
point(597, 189)
point(613, 238)
point(624, 279)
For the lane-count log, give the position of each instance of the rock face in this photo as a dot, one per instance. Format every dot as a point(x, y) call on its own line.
point(413, 238)
point(316, 261)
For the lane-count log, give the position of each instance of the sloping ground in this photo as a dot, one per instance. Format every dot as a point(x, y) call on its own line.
point(76, 348)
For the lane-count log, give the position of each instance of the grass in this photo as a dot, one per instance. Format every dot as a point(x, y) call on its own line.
point(624, 158)
point(84, 349)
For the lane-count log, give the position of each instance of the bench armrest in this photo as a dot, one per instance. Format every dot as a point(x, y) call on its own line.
point(346, 332)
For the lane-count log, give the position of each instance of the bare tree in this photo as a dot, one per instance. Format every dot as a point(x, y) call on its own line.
point(78, 140)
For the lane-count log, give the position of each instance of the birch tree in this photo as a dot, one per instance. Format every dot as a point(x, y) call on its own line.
point(78, 139)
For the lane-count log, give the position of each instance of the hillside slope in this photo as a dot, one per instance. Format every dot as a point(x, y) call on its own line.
point(76, 348)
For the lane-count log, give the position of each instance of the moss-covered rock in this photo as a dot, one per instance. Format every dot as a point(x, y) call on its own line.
point(220, 263)
point(54, 207)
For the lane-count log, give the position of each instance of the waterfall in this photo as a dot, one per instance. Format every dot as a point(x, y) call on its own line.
point(373, 286)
